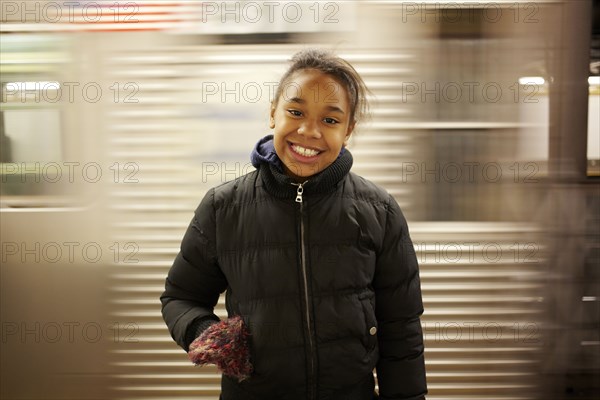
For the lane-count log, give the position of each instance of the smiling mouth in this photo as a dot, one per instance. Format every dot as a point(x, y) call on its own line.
point(304, 151)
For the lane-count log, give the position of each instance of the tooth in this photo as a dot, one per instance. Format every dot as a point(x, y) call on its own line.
point(305, 152)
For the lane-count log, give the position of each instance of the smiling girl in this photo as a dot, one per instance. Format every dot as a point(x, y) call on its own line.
point(322, 283)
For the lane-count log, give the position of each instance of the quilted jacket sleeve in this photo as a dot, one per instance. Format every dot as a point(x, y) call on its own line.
point(401, 367)
point(195, 281)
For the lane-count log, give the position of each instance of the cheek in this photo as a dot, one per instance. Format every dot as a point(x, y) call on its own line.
point(283, 126)
point(336, 140)
point(279, 144)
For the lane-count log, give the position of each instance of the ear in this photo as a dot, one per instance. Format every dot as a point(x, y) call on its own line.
point(272, 118)
point(349, 132)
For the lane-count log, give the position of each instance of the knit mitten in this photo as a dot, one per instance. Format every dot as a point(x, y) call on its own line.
point(224, 344)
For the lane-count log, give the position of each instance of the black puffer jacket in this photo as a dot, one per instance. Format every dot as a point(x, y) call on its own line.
point(326, 280)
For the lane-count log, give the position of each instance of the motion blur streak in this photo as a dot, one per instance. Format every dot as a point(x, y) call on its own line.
point(117, 117)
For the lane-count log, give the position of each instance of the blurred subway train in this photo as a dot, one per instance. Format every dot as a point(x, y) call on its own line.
point(117, 117)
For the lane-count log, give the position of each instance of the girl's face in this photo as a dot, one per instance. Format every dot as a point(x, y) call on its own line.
point(311, 122)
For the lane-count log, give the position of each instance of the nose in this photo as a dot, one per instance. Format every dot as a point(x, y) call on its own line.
point(309, 128)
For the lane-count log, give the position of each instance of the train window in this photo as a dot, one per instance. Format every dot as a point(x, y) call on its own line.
point(593, 146)
point(30, 143)
point(593, 142)
point(30, 120)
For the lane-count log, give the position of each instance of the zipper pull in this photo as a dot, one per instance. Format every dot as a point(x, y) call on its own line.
point(299, 191)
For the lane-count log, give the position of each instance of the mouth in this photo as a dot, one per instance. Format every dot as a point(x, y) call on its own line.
point(304, 152)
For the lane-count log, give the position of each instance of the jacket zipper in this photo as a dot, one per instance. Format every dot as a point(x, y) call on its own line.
point(311, 393)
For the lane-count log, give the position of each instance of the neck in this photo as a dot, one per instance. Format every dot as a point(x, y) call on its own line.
point(278, 182)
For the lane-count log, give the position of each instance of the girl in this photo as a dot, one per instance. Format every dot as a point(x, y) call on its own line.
point(321, 276)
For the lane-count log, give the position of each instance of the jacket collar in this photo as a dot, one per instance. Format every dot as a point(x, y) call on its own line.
point(277, 183)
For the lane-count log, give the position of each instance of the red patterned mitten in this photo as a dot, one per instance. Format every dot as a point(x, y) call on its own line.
point(224, 344)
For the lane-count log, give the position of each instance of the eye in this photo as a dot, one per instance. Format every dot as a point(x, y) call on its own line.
point(330, 121)
point(295, 113)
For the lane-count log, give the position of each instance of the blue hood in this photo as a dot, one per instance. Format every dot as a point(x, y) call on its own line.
point(264, 152)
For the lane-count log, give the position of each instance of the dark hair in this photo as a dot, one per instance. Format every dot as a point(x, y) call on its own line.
point(330, 64)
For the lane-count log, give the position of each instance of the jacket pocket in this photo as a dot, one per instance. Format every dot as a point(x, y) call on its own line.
point(367, 301)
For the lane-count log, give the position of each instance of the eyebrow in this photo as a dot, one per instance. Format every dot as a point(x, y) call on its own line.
point(302, 101)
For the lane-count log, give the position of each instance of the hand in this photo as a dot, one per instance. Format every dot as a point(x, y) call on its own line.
point(224, 344)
